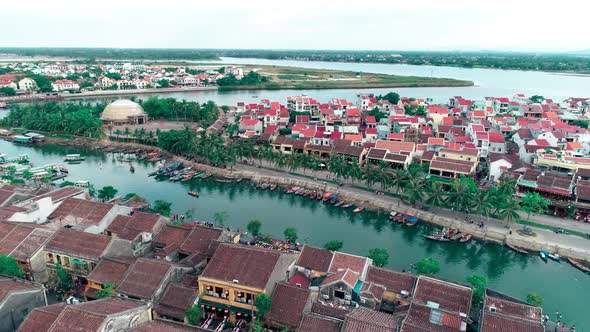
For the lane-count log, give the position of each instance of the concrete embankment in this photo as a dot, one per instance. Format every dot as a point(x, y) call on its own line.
point(545, 240)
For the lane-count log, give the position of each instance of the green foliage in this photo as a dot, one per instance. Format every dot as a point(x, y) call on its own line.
point(194, 314)
point(391, 97)
point(252, 78)
point(220, 217)
point(258, 325)
point(66, 184)
point(130, 196)
point(534, 299)
point(64, 277)
point(376, 112)
point(171, 109)
point(27, 174)
point(254, 227)
point(532, 202)
point(379, 256)
point(263, 304)
point(8, 91)
point(479, 285)
point(334, 245)
point(108, 290)
point(9, 267)
point(290, 234)
point(114, 76)
point(107, 193)
point(70, 118)
point(427, 265)
point(580, 123)
point(164, 83)
point(178, 141)
point(162, 207)
point(284, 131)
point(537, 99)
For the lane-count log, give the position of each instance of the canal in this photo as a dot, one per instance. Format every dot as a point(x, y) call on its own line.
point(563, 287)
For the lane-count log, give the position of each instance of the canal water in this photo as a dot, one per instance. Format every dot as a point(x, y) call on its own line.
point(563, 287)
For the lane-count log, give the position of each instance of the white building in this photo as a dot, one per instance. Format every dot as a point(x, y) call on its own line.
point(27, 84)
point(63, 85)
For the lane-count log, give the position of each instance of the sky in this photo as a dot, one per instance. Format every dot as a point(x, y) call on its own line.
point(517, 25)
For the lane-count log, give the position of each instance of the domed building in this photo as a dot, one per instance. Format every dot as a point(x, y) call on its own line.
point(123, 112)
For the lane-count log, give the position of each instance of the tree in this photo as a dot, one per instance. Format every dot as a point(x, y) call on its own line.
point(333, 245)
point(194, 314)
point(107, 290)
point(8, 91)
point(27, 174)
point(391, 97)
point(263, 304)
point(532, 202)
point(220, 217)
point(537, 99)
point(427, 265)
point(9, 267)
point(510, 212)
point(107, 193)
point(436, 193)
point(379, 256)
point(254, 227)
point(479, 285)
point(66, 184)
point(290, 234)
point(162, 207)
point(64, 277)
point(534, 299)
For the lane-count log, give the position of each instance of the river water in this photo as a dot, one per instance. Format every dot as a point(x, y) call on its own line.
point(563, 287)
point(488, 82)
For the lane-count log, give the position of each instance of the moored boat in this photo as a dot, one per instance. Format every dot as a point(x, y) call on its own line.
point(326, 196)
point(517, 249)
point(339, 203)
point(73, 158)
point(193, 193)
point(435, 236)
point(358, 209)
point(347, 205)
point(273, 187)
point(392, 215)
point(131, 168)
point(578, 265)
point(410, 219)
point(465, 237)
point(543, 256)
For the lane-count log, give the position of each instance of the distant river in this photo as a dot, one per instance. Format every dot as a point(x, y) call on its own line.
point(488, 82)
point(563, 287)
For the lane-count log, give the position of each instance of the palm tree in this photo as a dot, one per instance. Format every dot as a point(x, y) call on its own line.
point(415, 189)
point(459, 196)
point(118, 132)
point(510, 212)
point(436, 193)
point(355, 172)
point(397, 179)
point(127, 132)
point(370, 175)
point(481, 203)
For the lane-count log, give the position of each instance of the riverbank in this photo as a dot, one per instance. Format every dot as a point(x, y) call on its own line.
point(565, 245)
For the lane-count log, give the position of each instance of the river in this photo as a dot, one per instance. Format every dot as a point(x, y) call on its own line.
point(488, 82)
point(563, 287)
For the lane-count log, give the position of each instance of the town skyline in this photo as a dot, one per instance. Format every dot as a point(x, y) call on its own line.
point(420, 25)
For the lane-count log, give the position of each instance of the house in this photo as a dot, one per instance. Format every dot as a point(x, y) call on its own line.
point(104, 82)
point(8, 84)
point(501, 313)
point(235, 275)
point(340, 284)
point(139, 228)
point(437, 114)
point(41, 318)
point(438, 306)
point(363, 319)
point(88, 216)
point(176, 301)
point(27, 84)
point(288, 304)
point(146, 279)
point(497, 143)
point(313, 322)
point(187, 242)
point(17, 299)
point(314, 262)
point(387, 290)
point(79, 252)
point(25, 244)
point(160, 325)
point(109, 314)
point(65, 85)
point(251, 124)
point(110, 270)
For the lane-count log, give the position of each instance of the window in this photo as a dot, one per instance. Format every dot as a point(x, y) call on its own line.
point(339, 294)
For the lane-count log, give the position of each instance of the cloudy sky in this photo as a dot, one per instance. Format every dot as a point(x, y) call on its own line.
point(299, 24)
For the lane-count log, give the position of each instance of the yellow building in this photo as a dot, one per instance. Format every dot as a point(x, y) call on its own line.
point(236, 275)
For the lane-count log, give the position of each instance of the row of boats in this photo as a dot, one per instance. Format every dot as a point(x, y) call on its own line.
point(448, 234)
point(546, 256)
point(328, 197)
point(407, 219)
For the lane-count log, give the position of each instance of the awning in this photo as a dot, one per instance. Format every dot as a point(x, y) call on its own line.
point(77, 261)
point(219, 306)
point(555, 191)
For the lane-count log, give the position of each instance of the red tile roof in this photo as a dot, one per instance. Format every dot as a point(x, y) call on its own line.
point(394, 146)
point(288, 303)
point(199, 239)
point(343, 261)
point(176, 300)
point(318, 323)
point(365, 320)
point(329, 311)
point(130, 227)
point(393, 281)
point(496, 137)
point(110, 270)
point(79, 211)
point(251, 267)
point(449, 296)
point(316, 259)
point(158, 325)
point(78, 244)
point(9, 286)
point(347, 277)
point(59, 194)
point(144, 277)
point(419, 319)
point(41, 318)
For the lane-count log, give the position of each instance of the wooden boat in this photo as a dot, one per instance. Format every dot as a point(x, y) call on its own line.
point(63, 169)
point(410, 220)
point(543, 256)
point(313, 195)
point(436, 237)
point(358, 209)
point(516, 249)
point(392, 215)
point(578, 265)
point(339, 203)
point(465, 237)
point(554, 257)
point(456, 236)
point(73, 158)
point(326, 196)
point(319, 196)
point(347, 205)
point(131, 169)
point(193, 193)
point(264, 186)
point(292, 190)
point(273, 187)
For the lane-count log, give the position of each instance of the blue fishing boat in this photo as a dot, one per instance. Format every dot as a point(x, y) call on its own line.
point(411, 220)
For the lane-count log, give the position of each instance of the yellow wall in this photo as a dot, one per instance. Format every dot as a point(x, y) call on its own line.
point(232, 288)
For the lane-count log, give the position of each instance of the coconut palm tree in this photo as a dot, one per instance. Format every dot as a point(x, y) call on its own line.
point(355, 172)
point(415, 189)
point(118, 132)
point(126, 132)
point(436, 193)
point(481, 203)
point(370, 175)
point(459, 197)
point(510, 212)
